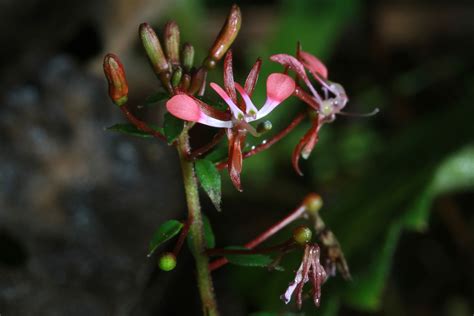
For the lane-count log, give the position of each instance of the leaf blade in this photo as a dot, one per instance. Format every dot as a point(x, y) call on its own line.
point(165, 232)
point(210, 180)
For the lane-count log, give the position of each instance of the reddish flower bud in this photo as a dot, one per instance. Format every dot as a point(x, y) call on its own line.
point(115, 74)
point(171, 35)
point(226, 37)
point(153, 49)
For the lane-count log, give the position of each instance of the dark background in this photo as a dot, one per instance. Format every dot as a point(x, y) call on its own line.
point(78, 204)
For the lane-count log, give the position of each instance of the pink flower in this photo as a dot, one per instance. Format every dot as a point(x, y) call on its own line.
point(186, 107)
point(334, 98)
point(236, 120)
point(310, 270)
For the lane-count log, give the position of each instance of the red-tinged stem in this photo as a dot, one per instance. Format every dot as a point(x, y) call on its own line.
point(204, 149)
point(222, 251)
point(182, 235)
point(140, 124)
point(294, 215)
point(306, 98)
point(296, 121)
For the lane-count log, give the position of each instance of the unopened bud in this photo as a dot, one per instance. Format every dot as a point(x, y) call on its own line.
point(313, 203)
point(226, 37)
point(176, 78)
point(198, 81)
point(153, 49)
point(171, 35)
point(264, 127)
point(167, 261)
point(187, 56)
point(302, 235)
point(115, 74)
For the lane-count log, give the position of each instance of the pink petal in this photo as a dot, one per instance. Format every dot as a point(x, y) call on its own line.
point(279, 87)
point(313, 64)
point(249, 106)
point(186, 108)
point(291, 62)
point(233, 108)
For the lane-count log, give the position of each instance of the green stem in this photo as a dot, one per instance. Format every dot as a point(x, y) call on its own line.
point(196, 232)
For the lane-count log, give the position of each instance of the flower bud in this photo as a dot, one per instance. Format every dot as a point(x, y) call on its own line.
point(313, 203)
point(167, 261)
point(264, 127)
point(226, 37)
point(302, 235)
point(187, 56)
point(115, 74)
point(171, 35)
point(176, 78)
point(153, 49)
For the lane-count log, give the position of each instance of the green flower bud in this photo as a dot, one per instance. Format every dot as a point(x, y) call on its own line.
point(187, 56)
point(167, 261)
point(171, 35)
point(313, 203)
point(264, 127)
point(153, 49)
point(302, 235)
point(176, 78)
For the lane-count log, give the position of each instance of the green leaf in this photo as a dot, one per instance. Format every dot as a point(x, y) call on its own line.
point(172, 127)
point(208, 233)
point(210, 180)
point(248, 260)
point(129, 129)
point(156, 97)
point(165, 232)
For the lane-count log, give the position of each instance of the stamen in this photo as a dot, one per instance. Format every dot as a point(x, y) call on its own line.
point(374, 112)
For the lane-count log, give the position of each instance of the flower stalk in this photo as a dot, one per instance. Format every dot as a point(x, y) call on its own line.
point(196, 232)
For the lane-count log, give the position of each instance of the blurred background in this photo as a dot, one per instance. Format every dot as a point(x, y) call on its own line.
point(78, 204)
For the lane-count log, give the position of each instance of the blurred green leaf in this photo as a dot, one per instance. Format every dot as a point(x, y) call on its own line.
point(248, 260)
point(172, 127)
point(165, 232)
point(210, 180)
point(129, 129)
point(208, 233)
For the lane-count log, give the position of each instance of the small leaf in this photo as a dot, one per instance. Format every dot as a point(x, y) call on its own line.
point(156, 97)
point(248, 260)
point(210, 180)
point(165, 232)
point(172, 127)
point(208, 233)
point(129, 129)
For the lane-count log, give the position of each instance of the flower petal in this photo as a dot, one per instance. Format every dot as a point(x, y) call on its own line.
point(229, 83)
point(233, 108)
point(279, 88)
point(313, 64)
point(252, 78)
point(291, 62)
point(295, 65)
point(249, 106)
point(186, 108)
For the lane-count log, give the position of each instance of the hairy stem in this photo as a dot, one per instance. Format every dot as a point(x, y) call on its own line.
point(196, 233)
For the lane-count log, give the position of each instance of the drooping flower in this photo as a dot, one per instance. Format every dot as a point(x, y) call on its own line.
point(236, 120)
point(310, 270)
point(334, 98)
